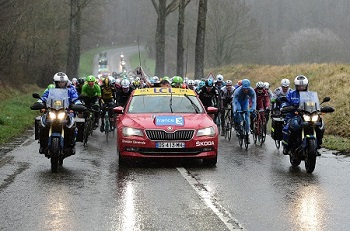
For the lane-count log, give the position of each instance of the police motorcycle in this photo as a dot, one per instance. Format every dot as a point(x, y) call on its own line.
point(304, 126)
point(55, 116)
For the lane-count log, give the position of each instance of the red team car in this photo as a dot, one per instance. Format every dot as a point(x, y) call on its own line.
point(166, 123)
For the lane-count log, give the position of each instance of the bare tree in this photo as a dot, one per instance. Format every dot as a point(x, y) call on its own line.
point(180, 38)
point(200, 39)
point(162, 10)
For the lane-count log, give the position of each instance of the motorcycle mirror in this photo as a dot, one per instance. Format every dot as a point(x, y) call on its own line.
point(36, 96)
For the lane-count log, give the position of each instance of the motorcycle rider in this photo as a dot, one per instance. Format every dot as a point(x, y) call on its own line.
point(241, 97)
point(293, 121)
point(60, 80)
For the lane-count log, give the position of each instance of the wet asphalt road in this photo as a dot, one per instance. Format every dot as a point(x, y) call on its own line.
point(252, 190)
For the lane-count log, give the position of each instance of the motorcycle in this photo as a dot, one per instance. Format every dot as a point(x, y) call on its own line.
point(55, 116)
point(304, 127)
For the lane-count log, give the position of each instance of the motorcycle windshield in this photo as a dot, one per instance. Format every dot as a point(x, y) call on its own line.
point(58, 99)
point(309, 101)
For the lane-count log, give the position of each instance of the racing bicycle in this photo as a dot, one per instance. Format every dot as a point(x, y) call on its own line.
point(259, 132)
point(243, 129)
point(228, 122)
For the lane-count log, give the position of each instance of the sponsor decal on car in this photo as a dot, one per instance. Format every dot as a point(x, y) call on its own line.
point(204, 143)
point(133, 142)
point(169, 120)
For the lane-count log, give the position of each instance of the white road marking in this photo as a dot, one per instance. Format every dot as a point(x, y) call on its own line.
point(230, 222)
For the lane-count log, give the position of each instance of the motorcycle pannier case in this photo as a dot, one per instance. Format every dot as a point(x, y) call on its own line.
point(276, 128)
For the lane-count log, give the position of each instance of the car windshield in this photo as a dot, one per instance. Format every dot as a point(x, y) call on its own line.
point(165, 104)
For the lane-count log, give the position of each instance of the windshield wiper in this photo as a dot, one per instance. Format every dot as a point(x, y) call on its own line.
point(196, 108)
point(171, 102)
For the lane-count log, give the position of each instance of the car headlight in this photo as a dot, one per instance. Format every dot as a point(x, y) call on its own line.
point(210, 131)
point(313, 118)
point(127, 131)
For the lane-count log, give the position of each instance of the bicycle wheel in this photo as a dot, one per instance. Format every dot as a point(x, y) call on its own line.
point(278, 144)
point(86, 131)
point(260, 132)
point(240, 135)
point(107, 125)
point(229, 130)
point(245, 135)
point(255, 130)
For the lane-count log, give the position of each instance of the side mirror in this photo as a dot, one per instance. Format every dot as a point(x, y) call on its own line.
point(212, 110)
point(326, 99)
point(118, 110)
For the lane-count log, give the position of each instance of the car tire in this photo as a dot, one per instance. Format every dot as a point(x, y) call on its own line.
point(210, 162)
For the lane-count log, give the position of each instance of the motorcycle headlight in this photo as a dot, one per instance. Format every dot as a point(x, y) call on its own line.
point(59, 116)
point(210, 131)
point(127, 131)
point(313, 118)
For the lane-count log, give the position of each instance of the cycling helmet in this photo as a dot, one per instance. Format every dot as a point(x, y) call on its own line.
point(201, 84)
point(245, 83)
point(190, 82)
point(74, 80)
point(90, 78)
point(125, 83)
point(301, 83)
point(219, 78)
point(260, 84)
point(228, 83)
point(209, 83)
point(267, 85)
point(177, 79)
point(155, 79)
point(106, 82)
point(60, 77)
point(112, 80)
point(285, 82)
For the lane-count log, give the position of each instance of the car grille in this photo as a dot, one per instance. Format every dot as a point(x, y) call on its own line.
point(163, 135)
point(172, 152)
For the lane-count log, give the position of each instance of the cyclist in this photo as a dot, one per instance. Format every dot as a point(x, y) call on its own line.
point(241, 98)
point(123, 95)
point(226, 95)
point(267, 87)
point(92, 92)
point(283, 90)
point(108, 98)
point(209, 95)
point(219, 82)
point(60, 80)
point(301, 83)
point(262, 100)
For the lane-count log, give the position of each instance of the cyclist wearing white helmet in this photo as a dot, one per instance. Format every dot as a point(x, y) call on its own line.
point(125, 93)
point(279, 92)
point(219, 83)
point(225, 97)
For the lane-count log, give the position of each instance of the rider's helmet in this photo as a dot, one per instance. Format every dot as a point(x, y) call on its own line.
point(209, 83)
point(219, 78)
point(260, 85)
point(301, 83)
point(91, 78)
point(245, 83)
point(74, 81)
point(107, 82)
point(111, 80)
point(177, 81)
point(114, 74)
point(155, 79)
point(285, 83)
point(190, 82)
point(267, 85)
point(125, 84)
point(166, 78)
point(60, 79)
point(81, 81)
point(228, 82)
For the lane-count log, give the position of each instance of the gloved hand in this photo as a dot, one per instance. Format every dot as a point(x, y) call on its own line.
point(37, 106)
point(252, 110)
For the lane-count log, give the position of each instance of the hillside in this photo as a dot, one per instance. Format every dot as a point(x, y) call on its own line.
point(331, 80)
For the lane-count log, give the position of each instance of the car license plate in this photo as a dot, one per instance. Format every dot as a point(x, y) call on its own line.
point(170, 145)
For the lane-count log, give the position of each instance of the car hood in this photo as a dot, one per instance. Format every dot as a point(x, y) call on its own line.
point(159, 121)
